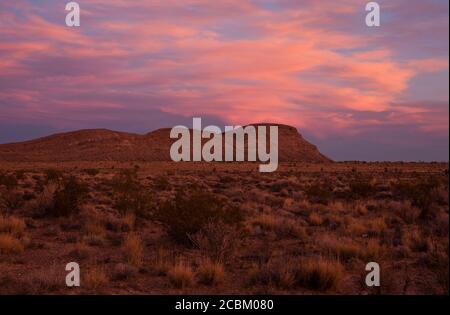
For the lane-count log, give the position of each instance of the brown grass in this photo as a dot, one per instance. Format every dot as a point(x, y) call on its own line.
point(320, 274)
point(12, 225)
point(211, 273)
point(10, 245)
point(181, 275)
point(95, 278)
point(133, 249)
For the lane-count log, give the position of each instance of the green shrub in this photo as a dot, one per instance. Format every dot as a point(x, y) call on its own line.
point(190, 211)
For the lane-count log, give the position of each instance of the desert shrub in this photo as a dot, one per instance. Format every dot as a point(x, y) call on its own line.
point(133, 249)
point(19, 174)
point(437, 261)
point(161, 183)
point(404, 210)
point(12, 225)
point(8, 180)
point(319, 192)
point(210, 273)
point(190, 211)
point(10, 245)
point(67, 199)
point(10, 199)
point(421, 194)
point(45, 200)
point(130, 196)
point(181, 275)
point(92, 171)
point(361, 187)
point(216, 240)
point(53, 175)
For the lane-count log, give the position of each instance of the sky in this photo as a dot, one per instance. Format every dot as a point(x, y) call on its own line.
point(358, 93)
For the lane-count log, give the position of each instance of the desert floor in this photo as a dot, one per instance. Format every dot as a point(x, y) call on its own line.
point(165, 228)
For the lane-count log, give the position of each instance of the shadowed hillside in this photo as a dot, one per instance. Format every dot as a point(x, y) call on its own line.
point(107, 145)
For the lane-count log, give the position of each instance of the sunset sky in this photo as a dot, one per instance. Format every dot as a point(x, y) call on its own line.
point(356, 92)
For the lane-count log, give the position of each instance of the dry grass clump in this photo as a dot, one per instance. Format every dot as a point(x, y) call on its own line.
point(210, 273)
point(94, 279)
point(314, 219)
point(80, 251)
point(181, 275)
point(42, 281)
point(369, 227)
point(275, 273)
point(289, 273)
point(416, 241)
point(12, 225)
point(163, 261)
point(405, 210)
point(10, 245)
point(345, 250)
point(93, 226)
point(133, 249)
point(123, 271)
point(283, 228)
point(319, 274)
point(128, 221)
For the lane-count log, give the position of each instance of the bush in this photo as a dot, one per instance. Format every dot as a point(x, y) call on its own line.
point(319, 193)
point(216, 241)
point(66, 200)
point(8, 180)
point(53, 175)
point(92, 171)
point(161, 183)
point(421, 194)
point(361, 187)
point(130, 196)
point(189, 212)
point(10, 199)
